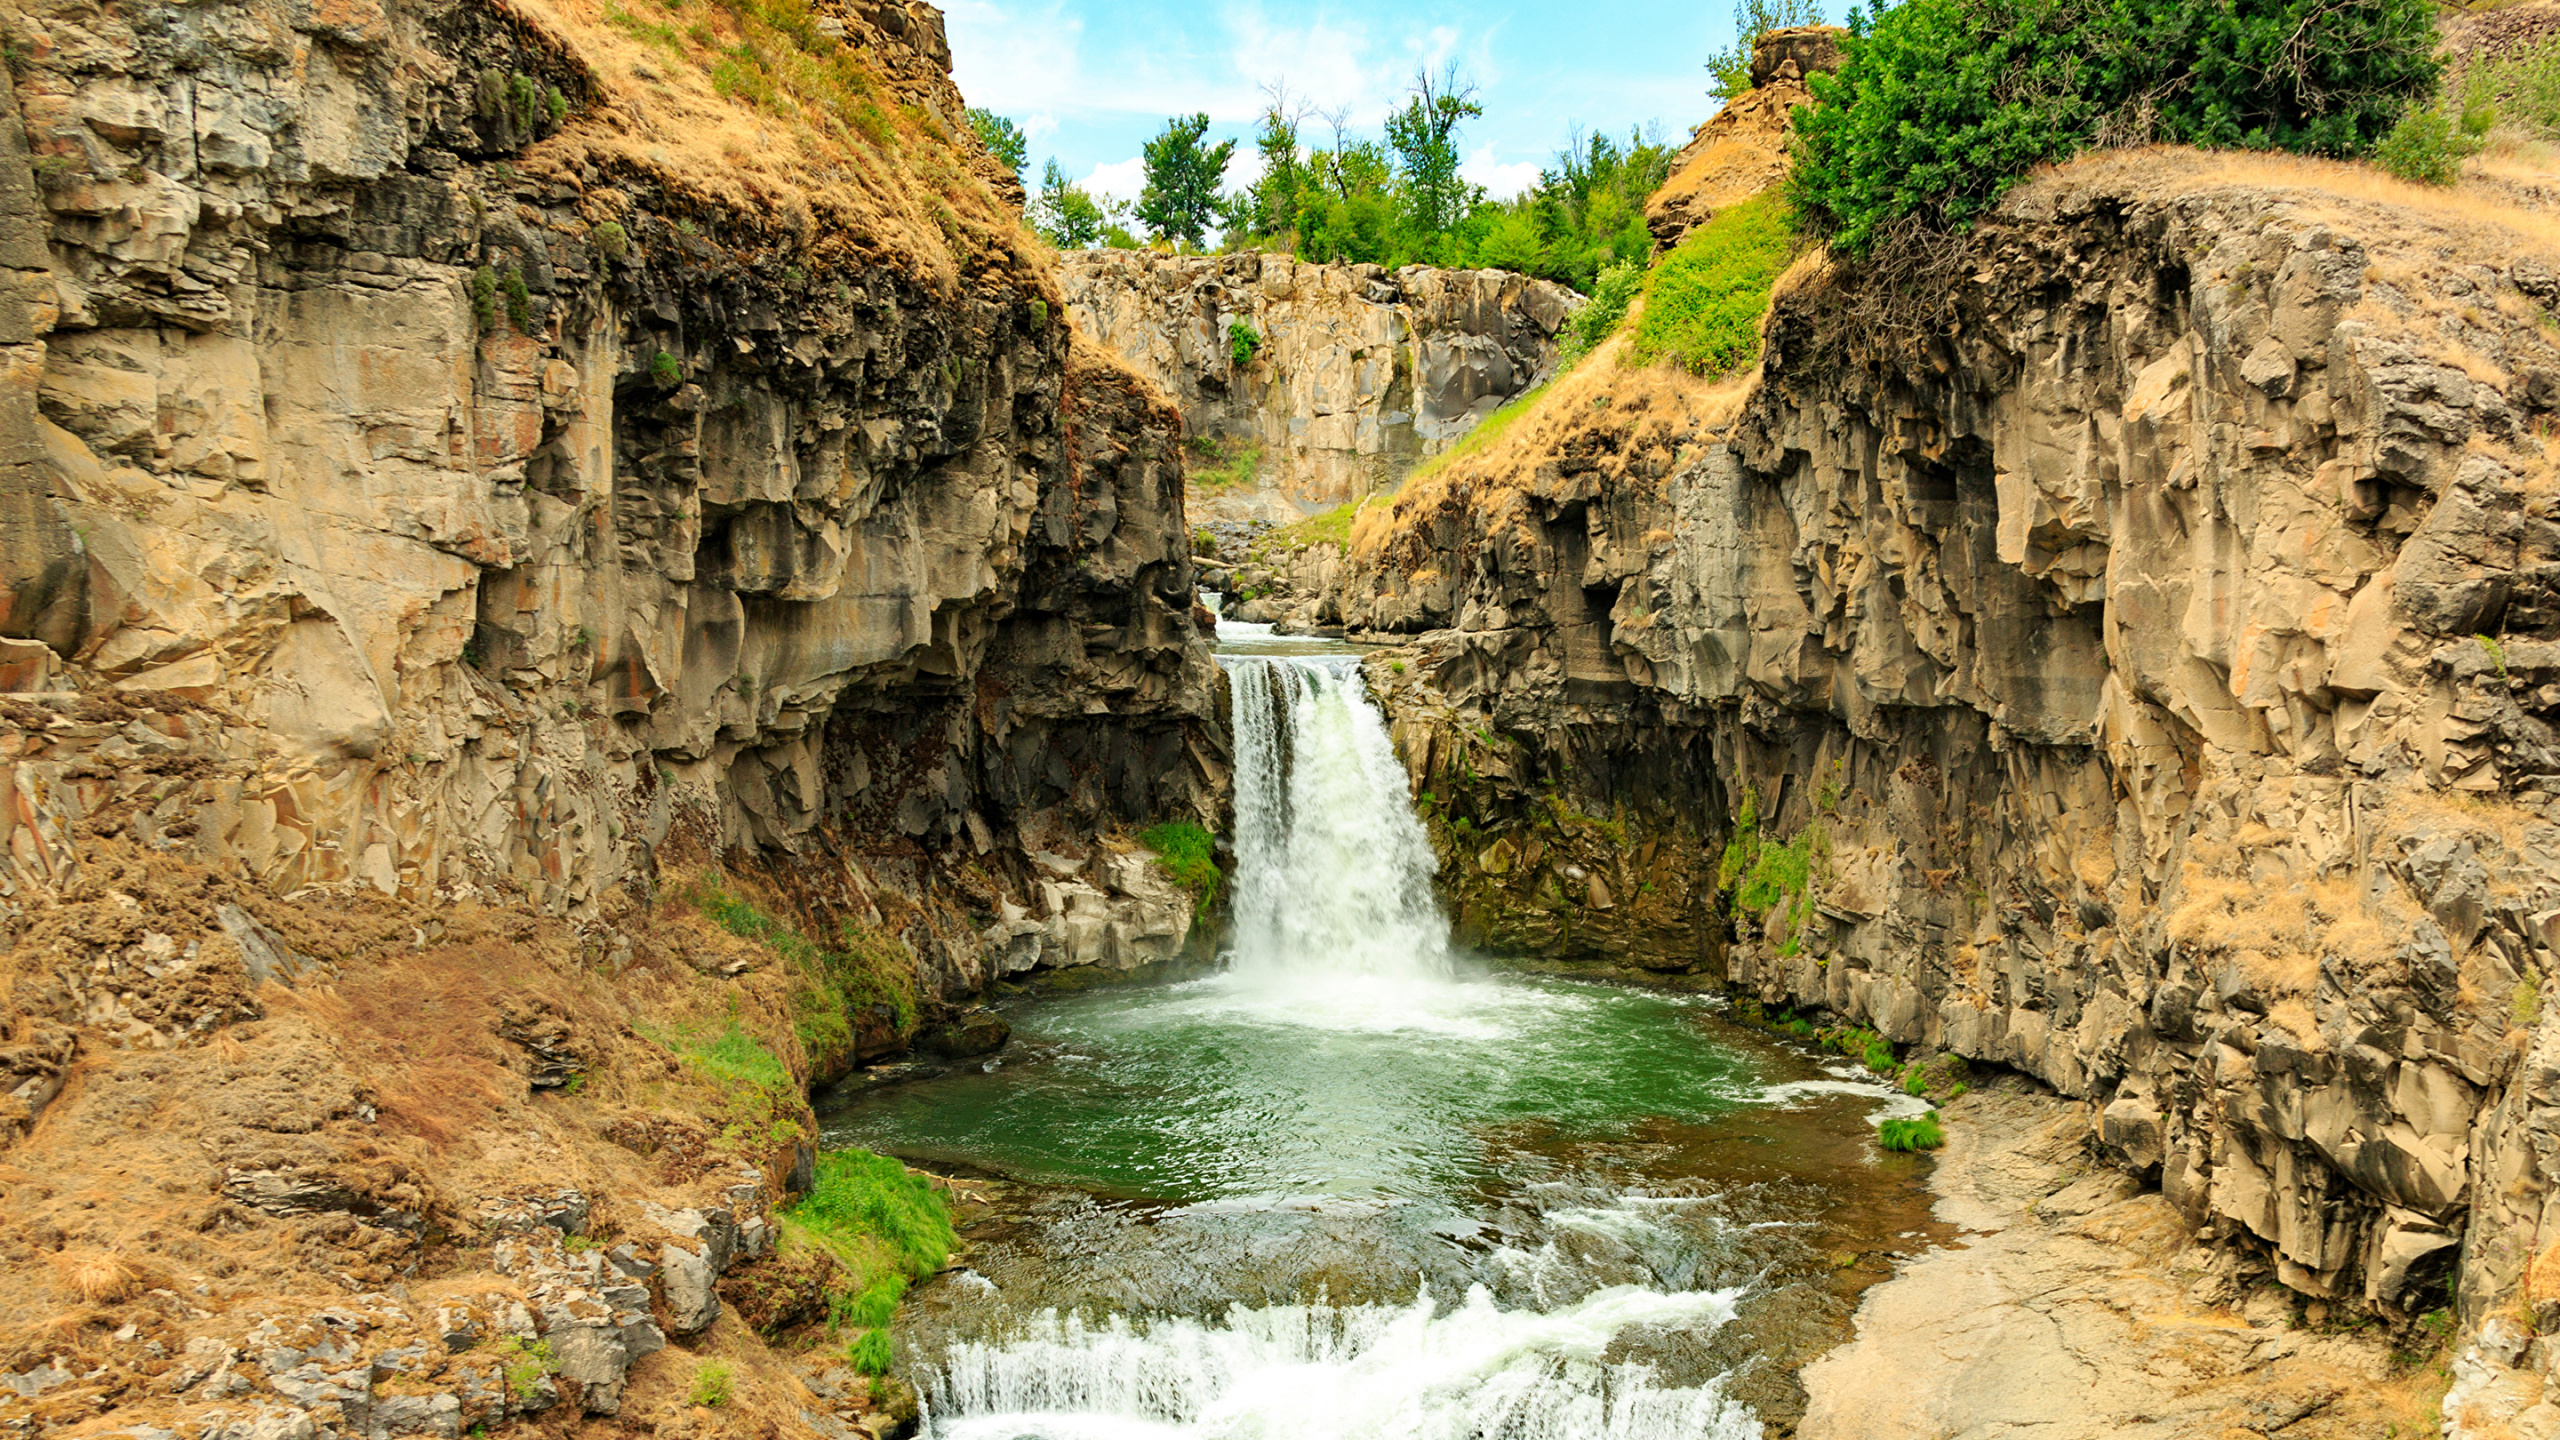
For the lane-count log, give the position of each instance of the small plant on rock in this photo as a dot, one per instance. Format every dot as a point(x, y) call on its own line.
point(610, 240)
point(666, 371)
point(484, 298)
point(1917, 1133)
point(1242, 341)
point(713, 1385)
point(524, 1364)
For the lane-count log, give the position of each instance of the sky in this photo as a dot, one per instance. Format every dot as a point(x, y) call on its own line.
point(1090, 81)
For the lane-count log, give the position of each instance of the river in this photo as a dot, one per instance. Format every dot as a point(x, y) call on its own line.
point(1360, 1184)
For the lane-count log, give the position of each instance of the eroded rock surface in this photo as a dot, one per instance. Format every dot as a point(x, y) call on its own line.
point(1354, 372)
point(2142, 657)
point(476, 484)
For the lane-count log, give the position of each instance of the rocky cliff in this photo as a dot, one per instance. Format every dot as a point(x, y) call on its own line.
point(496, 482)
point(1303, 386)
point(484, 487)
point(2118, 648)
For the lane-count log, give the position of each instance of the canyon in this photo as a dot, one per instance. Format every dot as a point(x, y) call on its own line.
point(520, 569)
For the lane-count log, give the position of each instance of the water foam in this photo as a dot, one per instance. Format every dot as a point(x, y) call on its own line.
point(1283, 1372)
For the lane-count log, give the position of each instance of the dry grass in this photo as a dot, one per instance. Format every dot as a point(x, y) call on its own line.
point(822, 148)
point(2490, 222)
point(1650, 414)
point(98, 1277)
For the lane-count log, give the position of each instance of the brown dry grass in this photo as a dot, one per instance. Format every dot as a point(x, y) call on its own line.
point(890, 186)
point(98, 1277)
point(1647, 415)
point(2487, 224)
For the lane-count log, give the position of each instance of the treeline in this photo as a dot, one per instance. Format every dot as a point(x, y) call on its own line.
point(1394, 200)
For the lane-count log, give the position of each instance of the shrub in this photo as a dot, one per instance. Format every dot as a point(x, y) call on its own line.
point(1612, 292)
point(1703, 305)
point(1242, 341)
point(1186, 853)
point(1878, 1056)
point(713, 1384)
point(1942, 105)
point(1919, 1133)
point(2525, 87)
point(523, 1363)
point(666, 371)
point(2429, 145)
point(610, 240)
point(519, 300)
point(484, 298)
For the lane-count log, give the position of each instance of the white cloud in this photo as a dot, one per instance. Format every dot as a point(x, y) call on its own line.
point(1121, 180)
point(1499, 180)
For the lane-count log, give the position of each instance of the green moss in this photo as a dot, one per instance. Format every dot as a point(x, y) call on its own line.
point(1703, 304)
point(1186, 852)
point(1762, 875)
point(862, 968)
point(1219, 463)
point(1919, 1133)
point(666, 371)
point(523, 1363)
point(609, 240)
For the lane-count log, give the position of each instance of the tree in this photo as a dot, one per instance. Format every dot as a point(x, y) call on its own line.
point(1183, 180)
point(1424, 137)
point(1067, 215)
point(1941, 105)
point(1268, 209)
point(1004, 139)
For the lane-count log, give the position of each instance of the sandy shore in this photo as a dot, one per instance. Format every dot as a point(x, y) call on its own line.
point(2074, 1306)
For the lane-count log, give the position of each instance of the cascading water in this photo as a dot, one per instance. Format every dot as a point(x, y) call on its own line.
point(1333, 873)
point(1350, 1187)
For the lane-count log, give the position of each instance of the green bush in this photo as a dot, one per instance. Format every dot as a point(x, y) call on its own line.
point(1186, 852)
point(666, 371)
point(1920, 1133)
point(1702, 307)
point(2428, 146)
point(713, 1384)
point(1941, 105)
point(1242, 341)
point(484, 298)
point(1879, 1056)
point(609, 240)
point(1612, 292)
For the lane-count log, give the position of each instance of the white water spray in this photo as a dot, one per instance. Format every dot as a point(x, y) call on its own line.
point(1333, 873)
point(1393, 1372)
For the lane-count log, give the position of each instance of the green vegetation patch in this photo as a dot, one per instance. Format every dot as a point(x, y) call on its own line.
point(1702, 307)
point(885, 1227)
point(1763, 875)
point(1186, 852)
point(713, 1384)
point(1221, 463)
point(1922, 1132)
point(862, 968)
point(1332, 527)
point(1940, 106)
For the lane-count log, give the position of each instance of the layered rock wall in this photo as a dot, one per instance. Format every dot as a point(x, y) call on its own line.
point(488, 480)
point(2142, 655)
point(1355, 373)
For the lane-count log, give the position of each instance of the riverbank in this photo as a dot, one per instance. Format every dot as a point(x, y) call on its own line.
point(2073, 1306)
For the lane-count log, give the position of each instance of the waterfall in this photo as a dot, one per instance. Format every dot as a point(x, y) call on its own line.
point(1333, 872)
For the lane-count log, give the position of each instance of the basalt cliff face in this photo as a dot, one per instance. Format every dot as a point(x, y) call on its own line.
point(1351, 374)
point(472, 477)
point(2148, 656)
point(486, 493)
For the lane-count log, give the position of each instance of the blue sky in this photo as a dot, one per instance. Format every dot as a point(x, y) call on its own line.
point(1090, 81)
